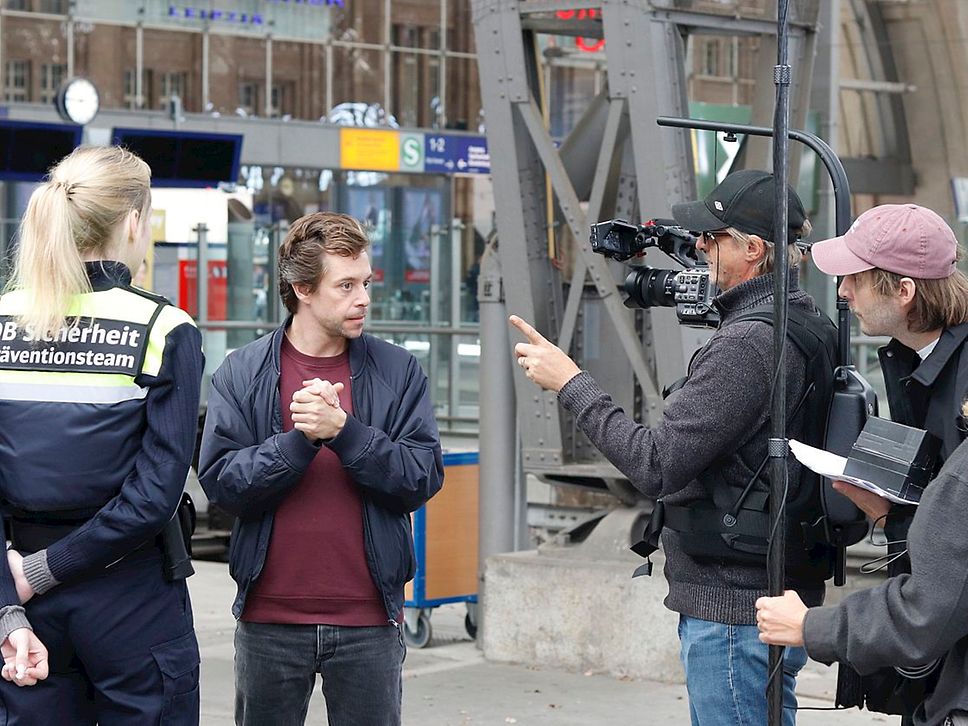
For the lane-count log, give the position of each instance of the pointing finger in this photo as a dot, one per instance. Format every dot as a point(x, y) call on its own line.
point(529, 332)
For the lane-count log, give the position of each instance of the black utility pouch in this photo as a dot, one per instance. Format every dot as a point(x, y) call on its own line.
point(176, 541)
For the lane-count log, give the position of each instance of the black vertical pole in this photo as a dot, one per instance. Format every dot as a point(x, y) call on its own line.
point(778, 446)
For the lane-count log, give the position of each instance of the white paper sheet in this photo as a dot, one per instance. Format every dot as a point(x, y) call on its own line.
point(832, 466)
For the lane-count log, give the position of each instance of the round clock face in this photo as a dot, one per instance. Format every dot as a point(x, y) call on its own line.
point(79, 101)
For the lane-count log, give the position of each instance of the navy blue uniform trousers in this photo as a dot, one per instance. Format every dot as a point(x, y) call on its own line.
point(122, 652)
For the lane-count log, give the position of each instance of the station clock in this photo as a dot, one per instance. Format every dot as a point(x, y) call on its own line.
point(77, 101)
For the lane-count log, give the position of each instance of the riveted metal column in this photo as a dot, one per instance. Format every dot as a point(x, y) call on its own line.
point(507, 64)
point(651, 76)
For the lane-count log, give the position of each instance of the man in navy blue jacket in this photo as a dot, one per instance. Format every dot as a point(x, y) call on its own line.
point(321, 440)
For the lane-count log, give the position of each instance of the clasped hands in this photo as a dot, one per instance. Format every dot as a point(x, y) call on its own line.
point(316, 410)
point(24, 655)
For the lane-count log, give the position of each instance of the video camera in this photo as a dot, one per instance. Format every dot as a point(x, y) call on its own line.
point(689, 291)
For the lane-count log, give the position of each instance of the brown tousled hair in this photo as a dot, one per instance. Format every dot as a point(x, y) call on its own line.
point(941, 303)
point(301, 260)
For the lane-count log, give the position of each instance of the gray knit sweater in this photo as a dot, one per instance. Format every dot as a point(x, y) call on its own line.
point(719, 418)
point(911, 619)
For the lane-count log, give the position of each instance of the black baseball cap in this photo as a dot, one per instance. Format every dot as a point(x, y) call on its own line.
point(743, 200)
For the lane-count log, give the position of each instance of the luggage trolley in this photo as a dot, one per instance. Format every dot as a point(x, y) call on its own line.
point(445, 544)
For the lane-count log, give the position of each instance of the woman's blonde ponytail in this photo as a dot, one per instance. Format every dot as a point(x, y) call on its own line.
point(48, 268)
point(74, 214)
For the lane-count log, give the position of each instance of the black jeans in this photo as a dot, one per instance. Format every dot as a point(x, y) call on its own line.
point(276, 667)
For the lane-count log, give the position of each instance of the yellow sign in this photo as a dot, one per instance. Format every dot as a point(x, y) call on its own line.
point(158, 233)
point(144, 277)
point(370, 149)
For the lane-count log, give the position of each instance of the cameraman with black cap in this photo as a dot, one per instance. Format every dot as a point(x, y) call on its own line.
point(710, 444)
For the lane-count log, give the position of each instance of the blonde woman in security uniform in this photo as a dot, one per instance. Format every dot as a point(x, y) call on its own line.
point(99, 385)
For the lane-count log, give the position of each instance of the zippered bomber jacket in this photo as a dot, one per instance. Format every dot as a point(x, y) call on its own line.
point(390, 446)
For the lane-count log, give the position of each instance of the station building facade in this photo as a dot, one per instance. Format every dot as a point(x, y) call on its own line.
point(371, 107)
point(336, 103)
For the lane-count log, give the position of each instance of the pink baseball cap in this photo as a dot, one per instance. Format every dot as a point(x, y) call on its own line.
point(905, 239)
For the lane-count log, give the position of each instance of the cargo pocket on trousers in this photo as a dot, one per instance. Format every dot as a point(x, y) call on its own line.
point(178, 662)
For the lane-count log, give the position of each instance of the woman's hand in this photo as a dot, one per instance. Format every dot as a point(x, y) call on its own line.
point(780, 619)
point(24, 658)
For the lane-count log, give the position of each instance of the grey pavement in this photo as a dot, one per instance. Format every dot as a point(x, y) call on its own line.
point(449, 683)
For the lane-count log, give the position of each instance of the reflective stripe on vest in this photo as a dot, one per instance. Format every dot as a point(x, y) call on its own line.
point(120, 335)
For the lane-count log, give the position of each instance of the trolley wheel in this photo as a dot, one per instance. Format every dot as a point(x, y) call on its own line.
point(470, 626)
point(470, 619)
point(420, 636)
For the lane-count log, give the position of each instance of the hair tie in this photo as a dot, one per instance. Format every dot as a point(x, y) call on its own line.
point(66, 186)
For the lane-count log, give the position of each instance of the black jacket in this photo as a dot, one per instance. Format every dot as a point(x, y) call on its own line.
point(390, 446)
point(928, 394)
point(101, 430)
point(925, 394)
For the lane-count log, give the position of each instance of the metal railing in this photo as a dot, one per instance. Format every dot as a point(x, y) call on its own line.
point(450, 356)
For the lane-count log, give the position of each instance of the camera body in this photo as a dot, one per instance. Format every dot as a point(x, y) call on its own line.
point(689, 291)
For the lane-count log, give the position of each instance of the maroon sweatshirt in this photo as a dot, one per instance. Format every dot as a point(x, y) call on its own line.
point(315, 571)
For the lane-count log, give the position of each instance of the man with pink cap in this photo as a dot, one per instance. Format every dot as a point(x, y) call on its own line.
point(898, 264)
point(899, 268)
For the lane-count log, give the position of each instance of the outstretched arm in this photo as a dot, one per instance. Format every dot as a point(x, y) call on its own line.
point(715, 412)
point(910, 619)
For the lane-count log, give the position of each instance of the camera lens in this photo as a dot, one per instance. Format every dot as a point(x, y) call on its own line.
point(648, 287)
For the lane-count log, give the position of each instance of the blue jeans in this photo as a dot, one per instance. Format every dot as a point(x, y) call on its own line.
point(276, 667)
point(726, 673)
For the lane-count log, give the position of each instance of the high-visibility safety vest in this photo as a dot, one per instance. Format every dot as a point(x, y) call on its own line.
point(73, 403)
